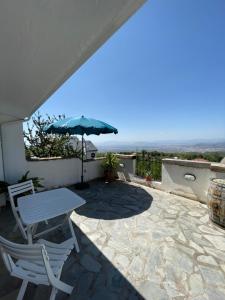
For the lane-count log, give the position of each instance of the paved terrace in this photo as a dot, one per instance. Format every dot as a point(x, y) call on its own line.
point(136, 243)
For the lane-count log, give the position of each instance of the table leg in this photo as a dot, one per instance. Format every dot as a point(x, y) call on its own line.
point(34, 228)
point(73, 234)
point(29, 234)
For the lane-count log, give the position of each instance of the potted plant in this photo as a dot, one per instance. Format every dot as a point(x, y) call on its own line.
point(3, 193)
point(148, 176)
point(36, 180)
point(110, 165)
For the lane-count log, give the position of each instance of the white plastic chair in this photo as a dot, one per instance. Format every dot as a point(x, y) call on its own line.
point(15, 190)
point(40, 263)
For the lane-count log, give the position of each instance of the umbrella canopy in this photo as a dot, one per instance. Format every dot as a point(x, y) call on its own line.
point(81, 126)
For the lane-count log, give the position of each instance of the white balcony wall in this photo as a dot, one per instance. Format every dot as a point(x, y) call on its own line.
point(174, 181)
point(128, 162)
point(61, 172)
point(93, 169)
point(55, 172)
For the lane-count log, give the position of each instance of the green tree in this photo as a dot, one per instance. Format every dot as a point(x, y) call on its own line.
point(40, 144)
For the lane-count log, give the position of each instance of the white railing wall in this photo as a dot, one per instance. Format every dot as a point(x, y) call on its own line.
point(61, 172)
point(190, 179)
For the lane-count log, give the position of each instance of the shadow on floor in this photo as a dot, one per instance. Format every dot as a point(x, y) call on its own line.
point(116, 200)
point(93, 276)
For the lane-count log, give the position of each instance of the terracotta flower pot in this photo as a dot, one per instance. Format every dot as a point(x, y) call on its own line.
point(148, 178)
point(109, 175)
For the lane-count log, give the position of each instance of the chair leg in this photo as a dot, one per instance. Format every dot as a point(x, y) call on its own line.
point(22, 290)
point(53, 293)
point(15, 228)
point(34, 228)
point(73, 235)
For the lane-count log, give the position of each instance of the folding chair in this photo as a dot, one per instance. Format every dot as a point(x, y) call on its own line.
point(39, 263)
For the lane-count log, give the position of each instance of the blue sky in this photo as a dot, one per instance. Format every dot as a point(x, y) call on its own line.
point(161, 76)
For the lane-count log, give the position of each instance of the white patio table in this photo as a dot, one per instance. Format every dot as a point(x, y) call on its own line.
point(43, 206)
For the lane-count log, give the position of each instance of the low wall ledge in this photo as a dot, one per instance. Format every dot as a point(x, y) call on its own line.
point(187, 163)
point(38, 159)
point(127, 156)
point(44, 158)
point(217, 167)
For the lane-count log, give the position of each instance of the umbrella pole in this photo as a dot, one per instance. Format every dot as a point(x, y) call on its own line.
point(82, 158)
point(82, 185)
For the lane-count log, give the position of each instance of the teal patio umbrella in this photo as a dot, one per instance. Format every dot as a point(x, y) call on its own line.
point(81, 126)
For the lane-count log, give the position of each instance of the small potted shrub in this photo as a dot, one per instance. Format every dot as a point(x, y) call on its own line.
point(110, 165)
point(148, 176)
point(36, 180)
point(3, 193)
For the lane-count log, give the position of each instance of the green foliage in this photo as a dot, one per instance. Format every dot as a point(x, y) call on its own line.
point(36, 180)
point(152, 161)
point(100, 154)
point(148, 165)
point(110, 162)
point(148, 173)
point(3, 187)
point(210, 156)
point(40, 144)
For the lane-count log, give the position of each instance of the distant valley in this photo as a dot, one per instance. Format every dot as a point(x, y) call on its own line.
point(165, 146)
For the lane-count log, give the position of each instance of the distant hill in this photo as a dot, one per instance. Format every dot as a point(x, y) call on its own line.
point(165, 146)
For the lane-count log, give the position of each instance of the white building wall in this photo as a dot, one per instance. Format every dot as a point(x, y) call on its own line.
point(13, 151)
point(1, 159)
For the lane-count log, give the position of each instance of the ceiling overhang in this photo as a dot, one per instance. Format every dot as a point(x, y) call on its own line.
point(44, 42)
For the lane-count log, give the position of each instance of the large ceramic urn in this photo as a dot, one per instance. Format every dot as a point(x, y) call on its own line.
point(216, 201)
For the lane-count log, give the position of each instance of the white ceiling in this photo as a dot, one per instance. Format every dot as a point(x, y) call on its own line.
point(43, 42)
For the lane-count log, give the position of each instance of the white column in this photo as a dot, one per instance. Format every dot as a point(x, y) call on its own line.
point(1, 159)
point(13, 151)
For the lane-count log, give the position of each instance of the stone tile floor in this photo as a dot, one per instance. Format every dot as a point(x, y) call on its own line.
point(136, 243)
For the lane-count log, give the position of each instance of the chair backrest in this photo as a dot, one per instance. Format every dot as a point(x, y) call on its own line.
point(15, 190)
point(35, 253)
point(10, 250)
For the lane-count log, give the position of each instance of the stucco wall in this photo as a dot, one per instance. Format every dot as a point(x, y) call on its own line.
point(60, 172)
point(56, 172)
point(93, 169)
point(128, 161)
point(173, 177)
point(1, 159)
point(127, 166)
point(13, 151)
